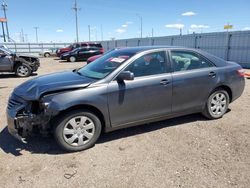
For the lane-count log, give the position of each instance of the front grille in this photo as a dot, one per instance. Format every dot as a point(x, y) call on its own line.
point(14, 101)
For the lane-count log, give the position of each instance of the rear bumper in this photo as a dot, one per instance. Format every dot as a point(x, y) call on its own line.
point(238, 88)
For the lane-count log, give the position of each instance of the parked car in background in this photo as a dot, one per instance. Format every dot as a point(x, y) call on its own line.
point(93, 58)
point(60, 51)
point(48, 52)
point(123, 88)
point(81, 54)
point(21, 65)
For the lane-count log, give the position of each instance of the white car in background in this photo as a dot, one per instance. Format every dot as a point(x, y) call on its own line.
point(48, 52)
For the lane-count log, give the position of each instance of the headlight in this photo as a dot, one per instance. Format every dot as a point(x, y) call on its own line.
point(45, 105)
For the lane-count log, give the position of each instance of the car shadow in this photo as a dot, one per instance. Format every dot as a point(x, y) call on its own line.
point(65, 61)
point(40, 145)
point(12, 75)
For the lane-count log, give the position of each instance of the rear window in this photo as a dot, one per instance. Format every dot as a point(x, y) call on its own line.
point(83, 45)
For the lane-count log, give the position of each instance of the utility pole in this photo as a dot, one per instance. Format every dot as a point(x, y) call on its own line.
point(96, 35)
point(89, 33)
point(36, 28)
point(140, 17)
point(101, 33)
point(4, 39)
point(4, 7)
point(152, 34)
point(180, 31)
point(22, 35)
point(76, 9)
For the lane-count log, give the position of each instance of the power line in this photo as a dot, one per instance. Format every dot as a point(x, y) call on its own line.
point(76, 9)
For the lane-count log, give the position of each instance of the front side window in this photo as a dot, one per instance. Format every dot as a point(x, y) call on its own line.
point(183, 61)
point(149, 64)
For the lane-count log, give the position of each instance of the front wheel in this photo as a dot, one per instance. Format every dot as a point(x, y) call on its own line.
point(77, 130)
point(46, 54)
point(217, 104)
point(72, 59)
point(23, 70)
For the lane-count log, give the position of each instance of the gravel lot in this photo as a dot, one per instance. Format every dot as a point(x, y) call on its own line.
point(182, 152)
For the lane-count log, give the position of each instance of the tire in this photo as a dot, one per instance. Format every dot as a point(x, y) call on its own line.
point(23, 70)
point(72, 135)
point(46, 54)
point(217, 104)
point(72, 59)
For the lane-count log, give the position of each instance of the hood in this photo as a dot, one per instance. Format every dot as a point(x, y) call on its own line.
point(64, 49)
point(33, 89)
point(66, 53)
point(26, 56)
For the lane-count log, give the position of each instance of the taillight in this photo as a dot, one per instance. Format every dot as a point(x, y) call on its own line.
point(241, 72)
point(102, 50)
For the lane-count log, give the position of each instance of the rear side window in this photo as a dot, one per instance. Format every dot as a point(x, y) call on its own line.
point(185, 60)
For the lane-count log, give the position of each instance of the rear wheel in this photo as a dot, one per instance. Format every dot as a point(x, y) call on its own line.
point(217, 104)
point(23, 70)
point(77, 130)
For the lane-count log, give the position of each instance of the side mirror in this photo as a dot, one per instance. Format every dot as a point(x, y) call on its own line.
point(125, 75)
point(3, 55)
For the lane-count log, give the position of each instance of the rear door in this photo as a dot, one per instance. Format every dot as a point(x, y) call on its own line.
point(193, 78)
point(148, 96)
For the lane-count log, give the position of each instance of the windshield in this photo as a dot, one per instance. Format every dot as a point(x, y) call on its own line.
point(106, 64)
point(75, 50)
point(7, 51)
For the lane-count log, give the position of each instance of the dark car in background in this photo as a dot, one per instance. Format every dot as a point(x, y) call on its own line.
point(60, 51)
point(81, 54)
point(124, 88)
point(21, 65)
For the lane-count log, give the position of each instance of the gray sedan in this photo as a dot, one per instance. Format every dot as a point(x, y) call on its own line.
point(125, 87)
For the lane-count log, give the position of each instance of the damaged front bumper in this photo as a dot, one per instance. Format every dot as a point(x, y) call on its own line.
point(22, 123)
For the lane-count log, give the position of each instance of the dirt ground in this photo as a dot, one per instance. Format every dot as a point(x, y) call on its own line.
point(182, 152)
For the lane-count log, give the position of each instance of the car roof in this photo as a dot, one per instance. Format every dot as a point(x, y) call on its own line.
point(135, 50)
point(87, 43)
point(145, 48)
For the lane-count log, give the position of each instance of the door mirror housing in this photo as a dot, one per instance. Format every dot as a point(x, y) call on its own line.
point(2, 54)
point(125, 75)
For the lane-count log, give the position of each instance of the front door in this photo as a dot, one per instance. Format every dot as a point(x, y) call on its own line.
point(149, 95)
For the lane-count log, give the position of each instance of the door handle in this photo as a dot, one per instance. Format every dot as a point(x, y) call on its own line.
point(212, 74)
point(164, 82)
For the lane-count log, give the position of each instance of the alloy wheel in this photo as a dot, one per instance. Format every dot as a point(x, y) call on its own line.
point(22, 70)
point(218, 104)
point(78, 131)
